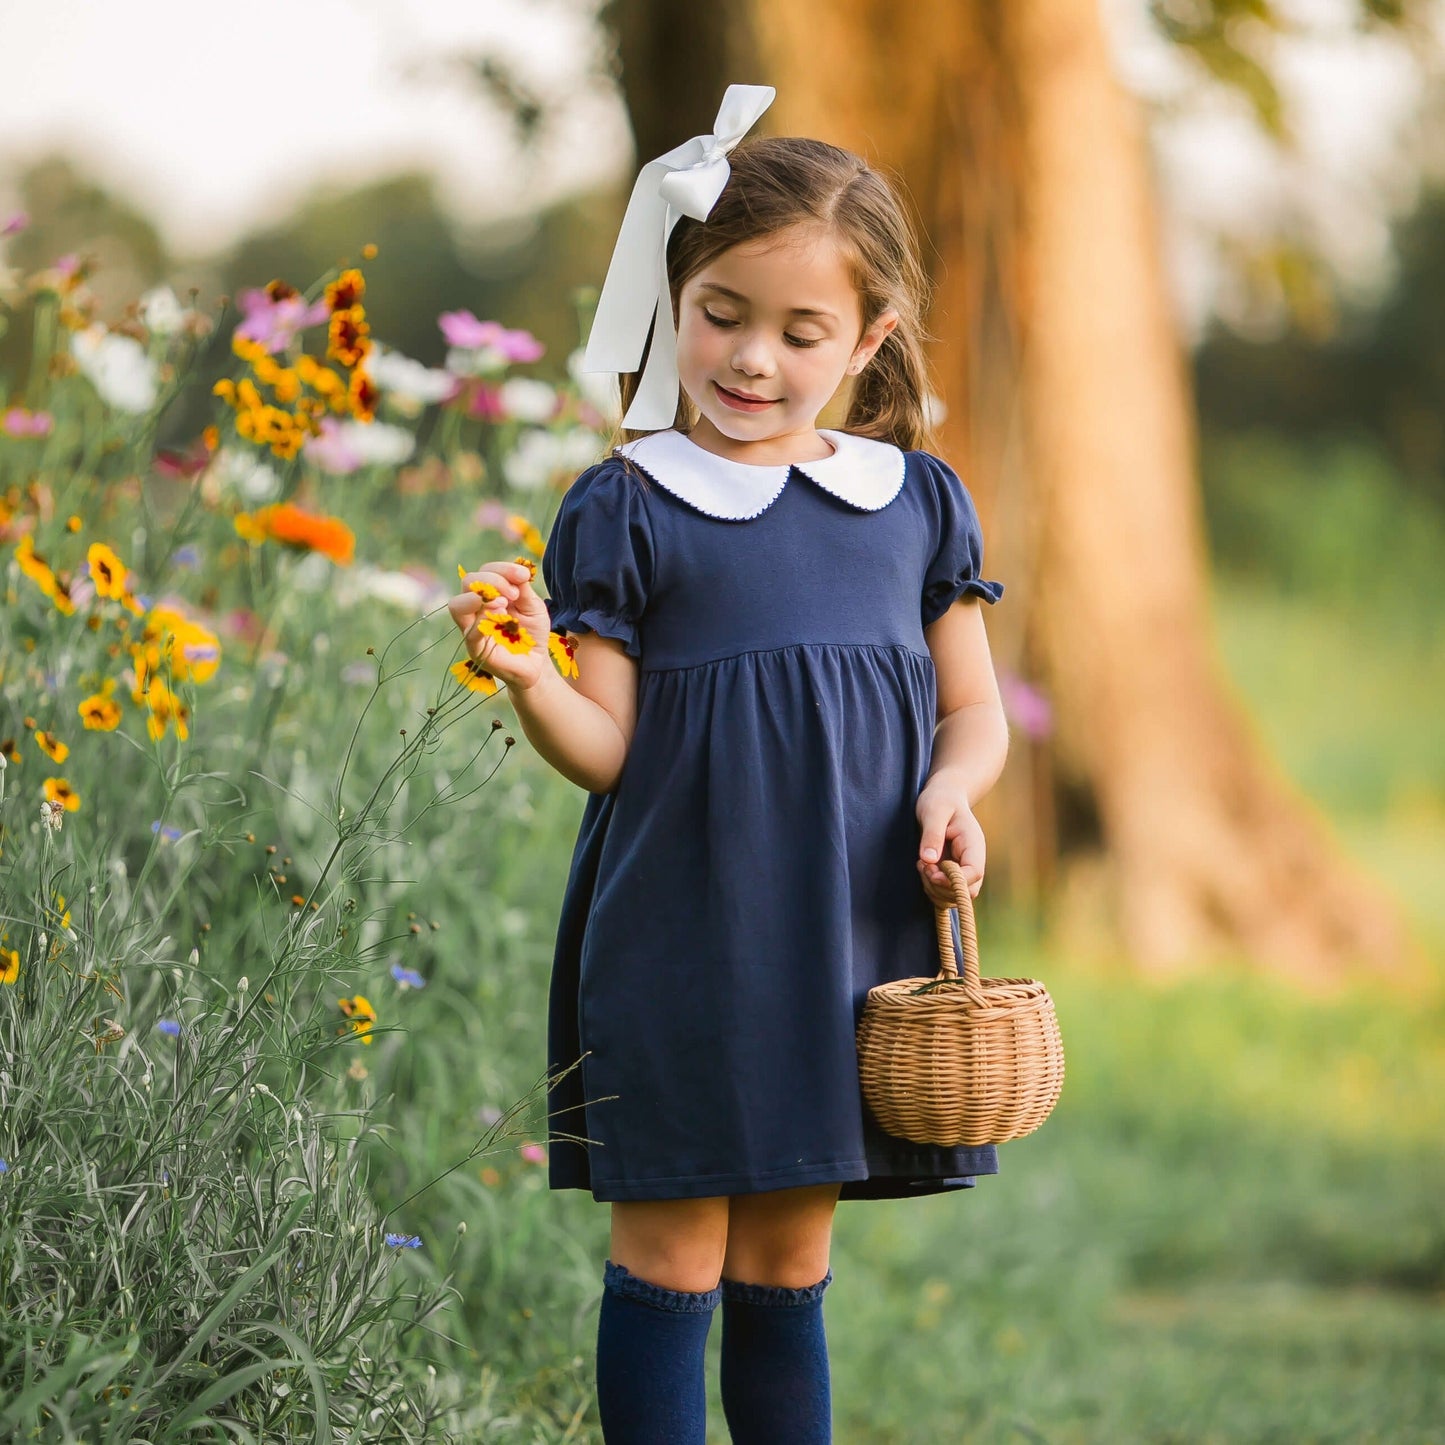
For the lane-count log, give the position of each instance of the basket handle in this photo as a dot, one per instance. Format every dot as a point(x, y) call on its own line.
point(963, 902)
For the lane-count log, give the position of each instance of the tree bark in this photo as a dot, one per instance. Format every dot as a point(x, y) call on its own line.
point(1149, 820)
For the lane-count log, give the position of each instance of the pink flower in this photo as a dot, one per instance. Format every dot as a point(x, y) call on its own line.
point(274, 323)
point(18, 422)
point(533, 1153)
point(331, 451)
point(462, 329)
point(491, 514)
point(485, 403)
point(1025, 705)
point(15, 224)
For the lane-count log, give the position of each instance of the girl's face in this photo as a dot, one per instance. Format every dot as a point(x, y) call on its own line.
point(766, 332)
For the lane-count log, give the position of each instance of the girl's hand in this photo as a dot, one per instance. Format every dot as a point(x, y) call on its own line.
point(949, 831)
point(515, 598)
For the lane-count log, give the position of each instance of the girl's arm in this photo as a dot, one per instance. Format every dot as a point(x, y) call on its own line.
point(583, 726)
point(970, 744)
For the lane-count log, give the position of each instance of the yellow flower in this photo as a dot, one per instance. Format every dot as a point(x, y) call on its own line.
point(506, 630)
point(347, 336)
point(11, 749)
point(519, 528)
point(73, 523)
point(165, 707)
point(98, 712)
point(564, 653)
point(471, 674)
point(107, 571)
point(484, 590)
point(49, 743)
point(195, 652)
point(346, 290)
point(57, 790)
point(9, 965)
point(529, 564)
point(361, 1014)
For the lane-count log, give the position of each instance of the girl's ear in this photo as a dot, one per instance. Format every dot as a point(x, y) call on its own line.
point(873, 338)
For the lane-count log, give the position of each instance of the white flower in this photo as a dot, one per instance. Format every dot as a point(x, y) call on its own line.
point(406, 379)
point(528, 400)
point(599, 388)
point(162, 312)
point(401, 589)
point(378, 441)
point(532, 462)
point(475, 361)
point(256, 481)
point(117, 367)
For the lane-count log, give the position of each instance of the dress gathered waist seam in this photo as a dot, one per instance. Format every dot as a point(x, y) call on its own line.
point(794, 647)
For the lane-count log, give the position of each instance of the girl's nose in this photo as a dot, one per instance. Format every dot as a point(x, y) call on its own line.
point(752, 357)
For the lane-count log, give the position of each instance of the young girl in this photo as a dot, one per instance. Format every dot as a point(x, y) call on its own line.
point(770, 620)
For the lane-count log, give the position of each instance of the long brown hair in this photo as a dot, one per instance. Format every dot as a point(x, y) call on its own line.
point(778, 182)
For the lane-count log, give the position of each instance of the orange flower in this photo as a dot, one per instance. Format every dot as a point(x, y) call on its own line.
point(288, 524)
point(346, 290)
point(346, 338)
point(98, 712)
point(52, 746)
point(107, 571)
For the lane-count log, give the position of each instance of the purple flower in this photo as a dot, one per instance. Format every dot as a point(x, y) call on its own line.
point(187, 556)
point(463, 329)
point(404, 1241)
point(275, 323)
point(21, 423)
point(15, 224)
point(490, 514)
point(407, 977)
point(168, 833)
point(1026, 705)
point(4, 1167)
point(169, 1027)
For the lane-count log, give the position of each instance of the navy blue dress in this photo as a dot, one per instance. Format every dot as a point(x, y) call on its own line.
point(753, 874)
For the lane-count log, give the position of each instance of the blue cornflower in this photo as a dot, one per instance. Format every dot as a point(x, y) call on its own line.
point(186, 556)
point(404, 1241)
point(167, 832)
point(169, 1027)
point(4, 1167)
point(407, 977)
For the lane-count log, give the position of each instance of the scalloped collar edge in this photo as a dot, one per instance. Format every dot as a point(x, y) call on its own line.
point(865, 473)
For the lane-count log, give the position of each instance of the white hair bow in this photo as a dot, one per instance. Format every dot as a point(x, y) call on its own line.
point(685, 182)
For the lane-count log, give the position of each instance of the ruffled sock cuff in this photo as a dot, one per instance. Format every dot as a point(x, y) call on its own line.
point(774, 1294)
point(622, 1281)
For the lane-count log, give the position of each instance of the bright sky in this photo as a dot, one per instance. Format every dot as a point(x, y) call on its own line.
point(217, 119)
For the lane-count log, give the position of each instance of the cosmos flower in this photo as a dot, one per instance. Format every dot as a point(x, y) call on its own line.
point(276, 314)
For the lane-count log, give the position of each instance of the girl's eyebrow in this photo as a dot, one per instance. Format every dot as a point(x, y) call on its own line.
point(738, 296)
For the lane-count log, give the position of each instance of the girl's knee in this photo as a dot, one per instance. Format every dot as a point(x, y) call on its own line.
point(677, 1244)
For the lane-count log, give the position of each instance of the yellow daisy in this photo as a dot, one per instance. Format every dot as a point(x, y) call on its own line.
point(361, 1014)
point(471, 674)
point(564, 653)
point(50, 744)
point(57, 790)
point(9, 965)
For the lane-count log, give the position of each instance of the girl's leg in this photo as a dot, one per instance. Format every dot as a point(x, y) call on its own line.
point(660, 1287)
point(776, 1387)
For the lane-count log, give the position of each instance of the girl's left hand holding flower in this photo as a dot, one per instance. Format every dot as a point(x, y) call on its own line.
point(949, 831)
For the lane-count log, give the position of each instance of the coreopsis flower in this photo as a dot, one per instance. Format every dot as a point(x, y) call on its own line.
point(35, 567)
point(10, 751)
point(506, 631)
point(194, 652)
point(107, 571)
point(472, 675)
point(518, 529)
point(117, 367)
point(529, 564)
point(362, 1016)
point(59, 792)
point(99, 712)
point(165, 708)
point(286, 523)
point(347, 336)
point(9, 965)
point(485, 590)
point(51, 745)
point(563, 650)
point(346, 291)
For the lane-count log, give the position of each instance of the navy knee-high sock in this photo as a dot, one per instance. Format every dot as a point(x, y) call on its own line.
point(775, 1382)
point(651, 1352)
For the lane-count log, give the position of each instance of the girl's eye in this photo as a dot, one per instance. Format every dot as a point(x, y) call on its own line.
point(725, 321)
point(798, 340)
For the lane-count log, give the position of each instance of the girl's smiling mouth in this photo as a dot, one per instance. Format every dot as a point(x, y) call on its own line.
point(741, 402)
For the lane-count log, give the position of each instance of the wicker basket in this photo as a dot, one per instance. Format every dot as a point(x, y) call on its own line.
point(952, 1060)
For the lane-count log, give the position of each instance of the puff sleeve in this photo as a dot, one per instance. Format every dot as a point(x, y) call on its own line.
point(597, 563)
point(956, 566)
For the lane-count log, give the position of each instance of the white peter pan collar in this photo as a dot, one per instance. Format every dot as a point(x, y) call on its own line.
point(861, 471)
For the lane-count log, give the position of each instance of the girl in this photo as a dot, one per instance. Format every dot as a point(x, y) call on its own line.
point(766, 636)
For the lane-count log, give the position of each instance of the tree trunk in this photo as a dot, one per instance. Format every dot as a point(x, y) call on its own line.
point(1148, 820)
